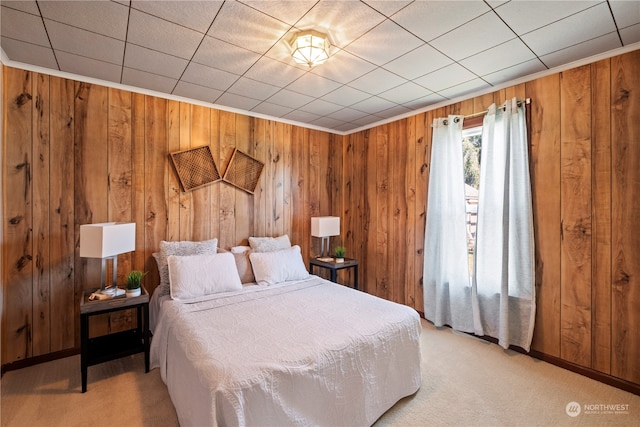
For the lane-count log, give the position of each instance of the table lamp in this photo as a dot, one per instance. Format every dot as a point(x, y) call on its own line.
point(325, 227)
point(106, 241)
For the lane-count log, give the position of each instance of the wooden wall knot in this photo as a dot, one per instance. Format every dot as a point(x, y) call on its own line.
point(16, 220)
point(23, 261)
point(23, 98)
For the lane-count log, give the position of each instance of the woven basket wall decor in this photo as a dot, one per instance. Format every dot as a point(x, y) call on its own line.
point(243, 171)
point(195, 167)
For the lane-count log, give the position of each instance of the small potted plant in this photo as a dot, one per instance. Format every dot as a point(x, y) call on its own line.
point(340, 251)
point(134, 281)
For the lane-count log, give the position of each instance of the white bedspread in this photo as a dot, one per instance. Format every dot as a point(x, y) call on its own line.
point(300, 353)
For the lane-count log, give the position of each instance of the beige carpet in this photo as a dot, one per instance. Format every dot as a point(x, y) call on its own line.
point(465, 382)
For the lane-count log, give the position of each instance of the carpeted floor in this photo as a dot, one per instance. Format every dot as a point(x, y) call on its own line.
point(465, 382)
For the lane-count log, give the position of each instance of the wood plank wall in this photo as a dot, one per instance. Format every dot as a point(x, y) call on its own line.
point(77, 153)
point(585, 167)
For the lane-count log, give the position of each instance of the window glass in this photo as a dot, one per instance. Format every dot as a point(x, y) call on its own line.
point(471, 152)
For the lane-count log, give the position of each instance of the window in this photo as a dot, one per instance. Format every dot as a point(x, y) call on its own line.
point(471, 152)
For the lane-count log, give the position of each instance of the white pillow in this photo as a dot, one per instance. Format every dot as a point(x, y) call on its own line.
point(180, 248)
point(268, 244)
point(195, 276)
point(274, 267)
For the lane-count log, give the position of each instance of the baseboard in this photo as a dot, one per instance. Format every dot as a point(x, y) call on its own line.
point(24, 363)
point(587, 372)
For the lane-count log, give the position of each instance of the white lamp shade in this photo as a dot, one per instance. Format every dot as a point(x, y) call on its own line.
point(107, 239)
point(325, 226)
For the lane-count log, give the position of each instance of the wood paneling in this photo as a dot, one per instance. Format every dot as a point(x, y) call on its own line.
point(601, 217)
point(625, 202)
point(113, 150)
point(575, 196)
point(545, 183)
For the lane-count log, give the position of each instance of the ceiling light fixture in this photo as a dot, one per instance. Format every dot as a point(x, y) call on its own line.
point(310, 48)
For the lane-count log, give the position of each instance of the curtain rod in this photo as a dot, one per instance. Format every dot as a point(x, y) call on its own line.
point(468, 116)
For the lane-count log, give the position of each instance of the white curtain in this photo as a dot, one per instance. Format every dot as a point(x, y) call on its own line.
point(446, 284)
point(500, 301)
point(504, 256)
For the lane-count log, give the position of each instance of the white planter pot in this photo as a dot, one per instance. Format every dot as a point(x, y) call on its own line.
point(133, 293)
point(339, 260)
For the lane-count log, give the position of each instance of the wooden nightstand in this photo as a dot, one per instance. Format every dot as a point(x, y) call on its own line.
point(335, 266)
point(120, 344)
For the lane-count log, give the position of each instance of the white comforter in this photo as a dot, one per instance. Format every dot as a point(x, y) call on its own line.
point(300, 353)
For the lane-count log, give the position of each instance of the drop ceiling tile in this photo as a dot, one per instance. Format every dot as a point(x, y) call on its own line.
point(84, 43)
point(480, 34)
point(497, 58)
point(208, 77)
point(630, 34)
point(393, 111)
point(102, 17)
point(523, 69)
point(384, 43)
point(23, 26)
point(593, 22)
point(582, 50)
point(151, 61)
point(349, 115)
point(418, 62)
point(445, 77)
point(342, 21)
point(192, 91)
point(320, 107)
point(270, 109)
point(327, 122)
point(526, 16)
point(88, 67)
point(429, 20)
point(373, 104)
point(425, 101)
point(313, 85)
point(158, 34)
point(388, 8)
point(147, 80)
point(285, 11)
point(224, 56)
point(196, 15)
point(625, 12)
point(346, 96)
point(301, 116)
point(367, 120)
point(405, 93)
point(274, 72)
point(287, 98)
point(252, 89)
point(464, 88)
point(241, 25)
point(377, 81)
point(346, 127)
point(29, 6)
point(343, 67)
point(29, 53)
point(237, 101)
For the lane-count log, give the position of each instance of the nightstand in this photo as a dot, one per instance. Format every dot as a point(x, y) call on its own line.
point(119, 344)
point(333, 267)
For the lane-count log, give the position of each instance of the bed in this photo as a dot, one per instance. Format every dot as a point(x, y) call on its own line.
point(301, 351)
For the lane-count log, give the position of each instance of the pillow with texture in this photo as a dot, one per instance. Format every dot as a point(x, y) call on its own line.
point(181, 248)
point(195, 276)
point(269, 244)
point(274, 267)
point(243, 263)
